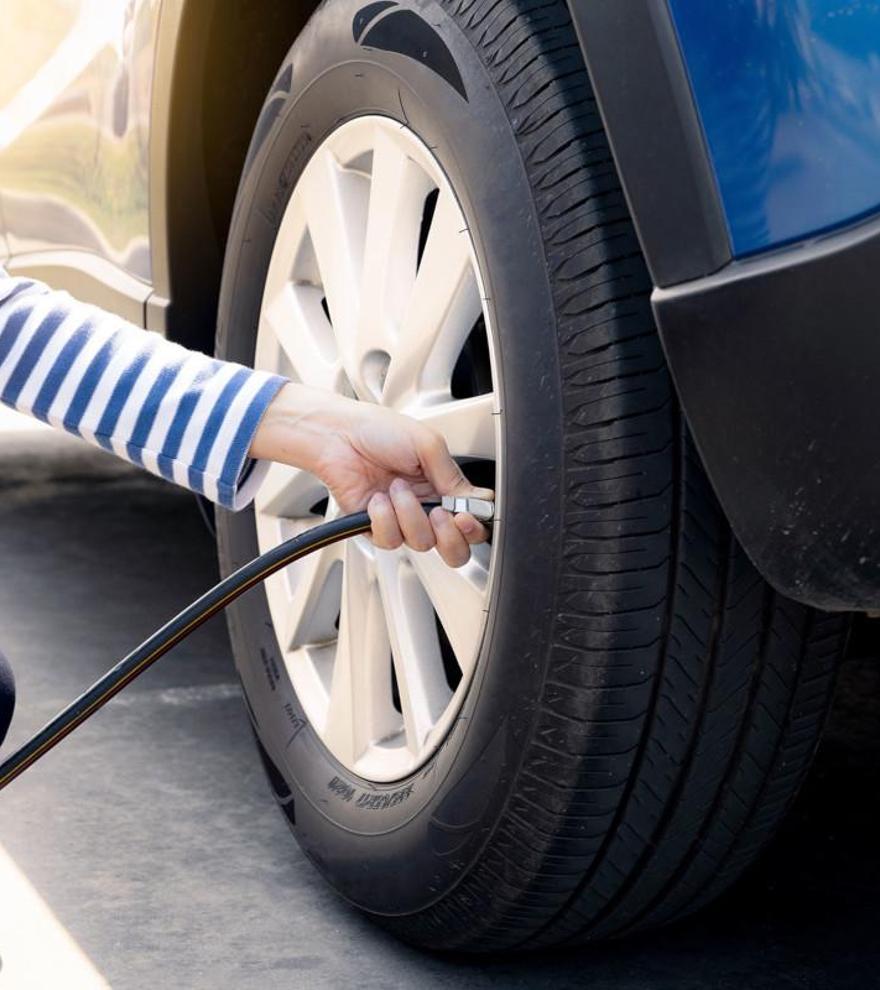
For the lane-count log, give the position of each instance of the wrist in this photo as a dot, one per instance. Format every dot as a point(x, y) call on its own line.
point(297, 425)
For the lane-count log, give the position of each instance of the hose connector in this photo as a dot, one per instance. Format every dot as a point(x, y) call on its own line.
point(479, 508)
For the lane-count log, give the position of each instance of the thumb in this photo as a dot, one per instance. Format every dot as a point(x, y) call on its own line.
point(443, 472)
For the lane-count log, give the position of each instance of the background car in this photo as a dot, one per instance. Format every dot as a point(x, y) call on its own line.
point(478, 212)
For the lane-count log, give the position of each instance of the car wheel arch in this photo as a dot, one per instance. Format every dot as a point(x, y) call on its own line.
point(213, 66)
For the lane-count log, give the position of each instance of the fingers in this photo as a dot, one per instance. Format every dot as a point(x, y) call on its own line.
point(471, 529)
point(451, 544)
point(383, 521)
point(398, 518)
point(437, 463)
point(442, 470)
point(414, 524)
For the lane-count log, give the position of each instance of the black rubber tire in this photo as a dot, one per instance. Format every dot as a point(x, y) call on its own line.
point(645, 705)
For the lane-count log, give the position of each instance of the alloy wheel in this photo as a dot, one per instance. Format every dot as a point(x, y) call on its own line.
point(374, 292)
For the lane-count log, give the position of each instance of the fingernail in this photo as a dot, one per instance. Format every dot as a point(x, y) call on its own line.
point(468, 524)
point(397, 486)
point(439, 515)
point(379, 498)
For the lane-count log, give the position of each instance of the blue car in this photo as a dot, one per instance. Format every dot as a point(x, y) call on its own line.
point(625, 256)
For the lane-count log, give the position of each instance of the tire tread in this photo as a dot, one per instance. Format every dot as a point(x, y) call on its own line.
point(683, 699)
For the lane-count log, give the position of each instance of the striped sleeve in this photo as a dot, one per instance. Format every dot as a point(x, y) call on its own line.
point(178, 413)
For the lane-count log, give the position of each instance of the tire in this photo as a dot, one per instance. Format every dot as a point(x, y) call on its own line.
point(644, 706)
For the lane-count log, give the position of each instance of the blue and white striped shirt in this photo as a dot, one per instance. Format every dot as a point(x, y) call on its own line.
point(178, 413)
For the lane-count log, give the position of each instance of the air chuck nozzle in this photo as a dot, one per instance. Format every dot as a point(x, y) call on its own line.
point(479, 508)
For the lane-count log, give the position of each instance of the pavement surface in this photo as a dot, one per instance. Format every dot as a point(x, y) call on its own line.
point(147, 852)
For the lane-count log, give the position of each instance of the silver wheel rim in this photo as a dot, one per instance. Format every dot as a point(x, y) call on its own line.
point(370, 295)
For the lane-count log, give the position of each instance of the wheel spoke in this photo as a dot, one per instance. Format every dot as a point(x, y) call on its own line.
point(459, 597)
point(415, 647)
point(359, 710)
point(288, 492)
point(468, 425)
point(442, 309)
point(335, 202)
point(398, 188)
point(297, 322)
point(315, 603)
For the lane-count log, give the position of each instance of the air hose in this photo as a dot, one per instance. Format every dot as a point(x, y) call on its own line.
point(187, 621)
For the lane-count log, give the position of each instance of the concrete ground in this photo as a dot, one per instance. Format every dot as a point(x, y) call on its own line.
point(146, 851)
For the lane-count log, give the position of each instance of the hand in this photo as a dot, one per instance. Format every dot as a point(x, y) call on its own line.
point(374, 458)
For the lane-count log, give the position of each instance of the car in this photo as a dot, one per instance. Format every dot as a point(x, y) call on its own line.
point(622, 256)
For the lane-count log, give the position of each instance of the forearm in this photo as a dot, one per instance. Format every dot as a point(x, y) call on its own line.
point(177, 413)
point(205, 423)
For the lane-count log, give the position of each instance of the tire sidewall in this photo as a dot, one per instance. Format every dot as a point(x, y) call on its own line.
point(396, 849)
